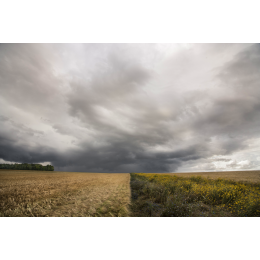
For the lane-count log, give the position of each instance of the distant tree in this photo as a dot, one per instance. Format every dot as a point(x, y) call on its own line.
point(27, 166)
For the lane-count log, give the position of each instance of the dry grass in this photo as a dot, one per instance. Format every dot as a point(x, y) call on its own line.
point(34, 193)
point(242, 176)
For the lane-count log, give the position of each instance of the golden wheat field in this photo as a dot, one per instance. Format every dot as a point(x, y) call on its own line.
point(40, 194)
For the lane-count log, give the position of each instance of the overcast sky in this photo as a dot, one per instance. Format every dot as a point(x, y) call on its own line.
point(131, 107)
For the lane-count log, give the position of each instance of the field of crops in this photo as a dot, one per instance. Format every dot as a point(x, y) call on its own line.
point(171, 195)
point(244, 176)
point(34, 193)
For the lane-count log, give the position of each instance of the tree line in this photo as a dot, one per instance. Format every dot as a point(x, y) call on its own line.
point(27, 166)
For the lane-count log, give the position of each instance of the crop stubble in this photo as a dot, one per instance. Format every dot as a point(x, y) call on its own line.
point(34, 193)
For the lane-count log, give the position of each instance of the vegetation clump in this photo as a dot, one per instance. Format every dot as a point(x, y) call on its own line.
point(171, 196)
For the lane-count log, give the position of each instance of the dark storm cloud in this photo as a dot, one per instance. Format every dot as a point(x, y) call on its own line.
point(11, 150)
point(125, 108)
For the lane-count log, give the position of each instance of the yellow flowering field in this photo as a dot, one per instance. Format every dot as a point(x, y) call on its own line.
point(237, 198)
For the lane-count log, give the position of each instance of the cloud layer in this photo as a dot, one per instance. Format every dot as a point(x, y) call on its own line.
point(131, 107)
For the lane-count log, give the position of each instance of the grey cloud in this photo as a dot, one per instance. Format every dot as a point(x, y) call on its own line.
point(242, 165)
point(127, 107)
point(11, 150)
point(235, 112)
point(20, 127)
point(27, 77)
point(64, 130)
point(220, 160)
